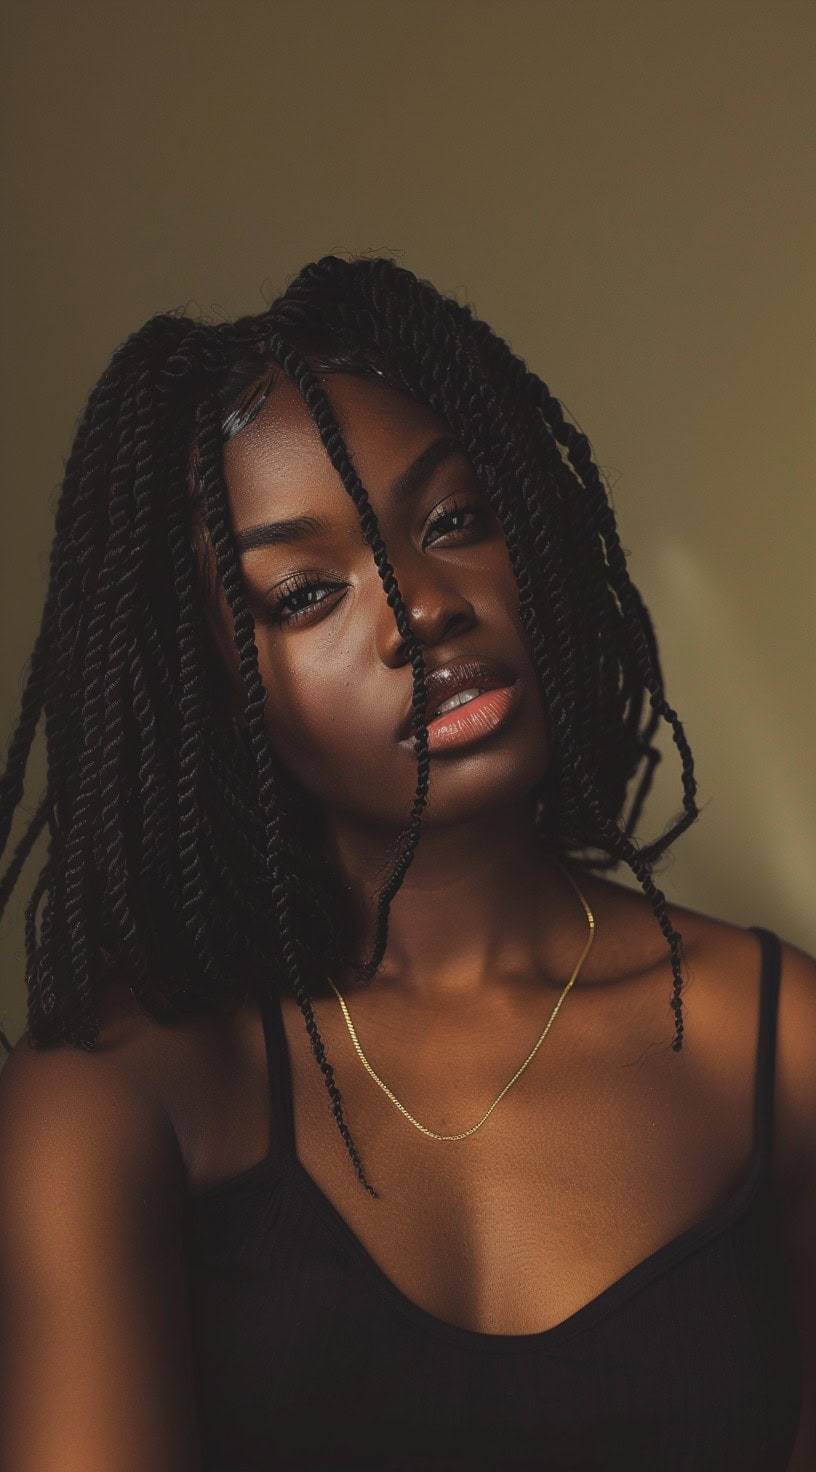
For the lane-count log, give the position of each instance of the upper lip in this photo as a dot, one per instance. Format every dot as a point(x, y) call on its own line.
point(449, 679)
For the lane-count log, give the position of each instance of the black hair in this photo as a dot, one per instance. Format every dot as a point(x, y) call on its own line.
point(181, 854)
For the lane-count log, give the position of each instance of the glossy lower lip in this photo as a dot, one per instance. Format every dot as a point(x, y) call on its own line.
point(470, 723)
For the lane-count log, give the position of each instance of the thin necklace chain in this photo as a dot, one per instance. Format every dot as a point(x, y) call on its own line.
point(465, 1133)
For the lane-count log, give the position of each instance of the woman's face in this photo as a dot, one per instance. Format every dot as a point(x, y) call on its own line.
point(336, 669)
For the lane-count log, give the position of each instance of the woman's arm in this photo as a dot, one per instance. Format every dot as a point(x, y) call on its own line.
point(94, 1361)
point(796, 1093)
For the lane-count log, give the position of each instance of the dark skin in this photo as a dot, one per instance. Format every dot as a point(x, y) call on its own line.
point(482, 913)
point(609, 1146)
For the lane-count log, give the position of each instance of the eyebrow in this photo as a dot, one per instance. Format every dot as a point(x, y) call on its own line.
point(404, 485)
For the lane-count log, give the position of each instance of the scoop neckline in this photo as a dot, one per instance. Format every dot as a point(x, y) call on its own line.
point(617, 1292)
point(751, 1177)
point(281, 1163)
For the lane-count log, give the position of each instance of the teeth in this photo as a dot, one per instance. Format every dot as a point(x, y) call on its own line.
point(461, 699)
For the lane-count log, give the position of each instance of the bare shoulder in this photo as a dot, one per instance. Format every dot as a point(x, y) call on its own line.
point(720, 959)
point(73, 1109)
point(722, 969)
point(166, 1083)
point(719, 955)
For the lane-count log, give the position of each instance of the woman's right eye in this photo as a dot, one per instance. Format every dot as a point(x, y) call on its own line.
point(299, 600)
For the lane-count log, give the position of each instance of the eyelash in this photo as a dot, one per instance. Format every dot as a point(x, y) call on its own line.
point(304, 582)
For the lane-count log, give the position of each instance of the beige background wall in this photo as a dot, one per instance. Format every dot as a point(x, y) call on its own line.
point(624, 188)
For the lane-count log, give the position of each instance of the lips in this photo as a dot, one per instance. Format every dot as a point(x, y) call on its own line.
point(451, 679)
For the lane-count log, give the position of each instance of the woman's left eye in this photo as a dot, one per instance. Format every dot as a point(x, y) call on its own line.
point(452, 519)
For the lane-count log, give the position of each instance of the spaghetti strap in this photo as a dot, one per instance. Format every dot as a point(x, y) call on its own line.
point(278, 1074)
point(771, 952)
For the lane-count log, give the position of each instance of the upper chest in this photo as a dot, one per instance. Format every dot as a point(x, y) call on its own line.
point(607, 1147)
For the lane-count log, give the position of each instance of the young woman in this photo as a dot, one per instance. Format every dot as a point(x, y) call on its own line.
point(361, 1120)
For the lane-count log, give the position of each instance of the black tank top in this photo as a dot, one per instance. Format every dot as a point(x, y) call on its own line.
point(307, 1356)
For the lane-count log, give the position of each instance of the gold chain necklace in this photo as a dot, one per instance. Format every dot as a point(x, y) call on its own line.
point(463, 1136)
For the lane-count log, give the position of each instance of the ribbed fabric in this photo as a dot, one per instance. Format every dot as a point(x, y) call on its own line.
point(307, 1356)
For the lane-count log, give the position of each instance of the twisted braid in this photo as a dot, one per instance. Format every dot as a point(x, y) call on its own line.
point(23, 850)
point(12, 781)
point(181, 853)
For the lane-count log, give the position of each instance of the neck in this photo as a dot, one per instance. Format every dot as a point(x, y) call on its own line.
point(482, 907)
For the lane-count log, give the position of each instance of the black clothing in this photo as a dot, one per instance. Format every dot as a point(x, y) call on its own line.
point(308, 1357)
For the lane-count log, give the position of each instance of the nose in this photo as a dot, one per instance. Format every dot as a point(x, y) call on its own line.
point(437, 611)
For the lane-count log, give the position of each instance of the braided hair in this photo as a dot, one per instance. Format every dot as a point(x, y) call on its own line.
point(181, 854)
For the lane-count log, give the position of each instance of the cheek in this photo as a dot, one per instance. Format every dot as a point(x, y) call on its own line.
point(317, 723)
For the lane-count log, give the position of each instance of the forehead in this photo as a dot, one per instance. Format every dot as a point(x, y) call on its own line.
point(280, 458)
